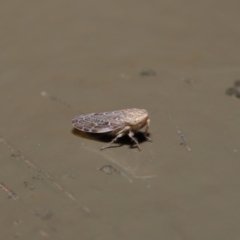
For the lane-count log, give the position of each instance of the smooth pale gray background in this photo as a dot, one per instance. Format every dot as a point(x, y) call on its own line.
point(64, 58)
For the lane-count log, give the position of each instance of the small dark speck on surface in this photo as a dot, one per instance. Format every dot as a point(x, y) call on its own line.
point(148, 73)
point(237, 94)
point(237, 83)
point(230, 91)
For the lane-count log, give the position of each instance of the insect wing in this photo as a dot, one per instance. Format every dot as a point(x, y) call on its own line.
point(99, 122)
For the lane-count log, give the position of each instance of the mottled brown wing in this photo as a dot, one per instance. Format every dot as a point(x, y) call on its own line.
point(99, 122)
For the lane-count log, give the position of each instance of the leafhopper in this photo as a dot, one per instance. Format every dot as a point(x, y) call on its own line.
point(116, 123)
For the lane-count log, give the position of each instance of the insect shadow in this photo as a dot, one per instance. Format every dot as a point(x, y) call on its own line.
point(104, 137)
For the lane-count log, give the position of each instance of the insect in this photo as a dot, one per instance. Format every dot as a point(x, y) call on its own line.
point(116, 123)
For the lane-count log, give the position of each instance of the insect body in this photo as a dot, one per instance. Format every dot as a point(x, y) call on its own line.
point(117, 123)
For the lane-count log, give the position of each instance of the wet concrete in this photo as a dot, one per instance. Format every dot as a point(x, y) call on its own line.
point(175, 59)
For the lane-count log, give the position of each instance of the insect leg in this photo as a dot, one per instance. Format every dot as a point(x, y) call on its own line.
point(131, 135)
point(146, 131)
point(119, 134)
